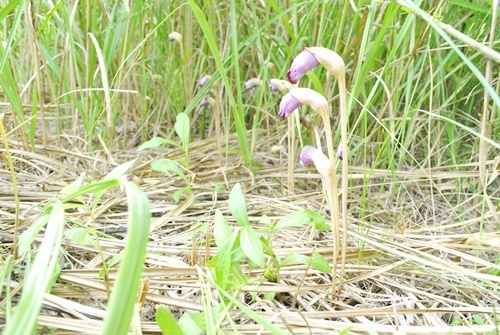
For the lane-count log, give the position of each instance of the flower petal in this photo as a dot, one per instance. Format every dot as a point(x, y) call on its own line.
point(310, 155)
point(304, 62)
point(288, 104)
point(252, 83)
point(204, 102)
point(329, 59)
point(204, 80)
point(313, 99)
point(306, 155)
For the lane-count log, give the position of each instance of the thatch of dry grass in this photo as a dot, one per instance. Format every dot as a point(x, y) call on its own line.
point(414, 262)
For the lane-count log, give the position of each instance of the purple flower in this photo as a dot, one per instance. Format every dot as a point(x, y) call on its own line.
point(340, 151)
point(305, 157)
point(287, 105)
point(310, 154)
point(304, 62)
point(251, 83)
point(204, 102)
point(204, 80)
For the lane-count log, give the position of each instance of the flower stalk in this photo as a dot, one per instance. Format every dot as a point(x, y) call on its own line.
point(290, 102)
point(305, 61)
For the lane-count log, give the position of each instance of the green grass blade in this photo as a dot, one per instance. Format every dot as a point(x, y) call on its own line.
point(38, 281)
point(124, 295)
point(432, 22)
point(239, 118)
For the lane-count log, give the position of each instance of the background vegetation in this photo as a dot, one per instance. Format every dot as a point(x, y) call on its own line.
point(85, 83)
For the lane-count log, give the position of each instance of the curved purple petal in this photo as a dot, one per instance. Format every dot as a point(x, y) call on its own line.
point(204, 102)
point(287, 105)
point(306, 155)
point(273, 87)
point(304, 62)
point(251, 83)
point(204, 80)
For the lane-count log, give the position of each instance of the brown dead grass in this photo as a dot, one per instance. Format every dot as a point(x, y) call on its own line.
point(416, 264)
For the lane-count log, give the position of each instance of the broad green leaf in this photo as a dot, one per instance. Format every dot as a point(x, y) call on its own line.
point(79, 235)
point(28, 236)
point(195, 324)
point(296, 258)
point(269, 296)
point(167, 322)
point(72, 187)
point(252, 246)
point(120, 170)
point(265, 220)
point(177, 194)
point(238, 207)
point(192, 323)
point(156, 142)
point(317, 262)
point(268, 249)
point(224, 261)
point(238, 278)
point(182, 129)
point(168, 165)
point(299, 218)
point(222, 231)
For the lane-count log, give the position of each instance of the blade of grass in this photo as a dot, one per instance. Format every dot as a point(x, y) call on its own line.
point(126, 288)
point(38, 280)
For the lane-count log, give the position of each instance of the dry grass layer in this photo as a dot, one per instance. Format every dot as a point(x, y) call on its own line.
point(417, 262)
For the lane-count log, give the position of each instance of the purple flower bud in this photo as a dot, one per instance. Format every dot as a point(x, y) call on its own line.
point(127, 177)
point(304, 62)
point(280, 85)
point(252, 83)
point(204, 80)
point(340, 151)
point(204, 102)
point(288, 105)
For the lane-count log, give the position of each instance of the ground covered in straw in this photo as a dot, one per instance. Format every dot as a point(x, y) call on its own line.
point(417, 262)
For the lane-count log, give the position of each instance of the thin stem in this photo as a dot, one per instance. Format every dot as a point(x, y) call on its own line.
point(291, 155)
point(333, 197)
point(345, 168)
